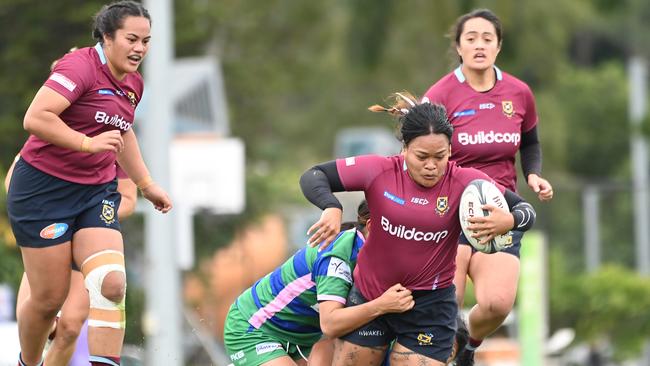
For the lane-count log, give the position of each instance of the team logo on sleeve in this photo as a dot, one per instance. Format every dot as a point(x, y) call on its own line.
point(108, 212)
point(442, 206)
point(339, 268)
point(132, 99)
point(508, 108)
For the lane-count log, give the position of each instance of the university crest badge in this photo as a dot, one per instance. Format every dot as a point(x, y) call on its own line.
point(508, 108)
point(108, 214)
point(442, 206)
point(132, 100)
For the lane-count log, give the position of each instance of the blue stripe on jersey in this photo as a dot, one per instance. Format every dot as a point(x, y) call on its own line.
point(100, 52)
point(275, 280)
point(298, 307)
point(300, 268)
point(256, 298)
point(358, 243)
point(328, 249)
point(322, 269)
point(293, 327)
point(277, 284)
point(300, 262)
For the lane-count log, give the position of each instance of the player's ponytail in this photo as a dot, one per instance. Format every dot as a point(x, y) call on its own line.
point(402, 103)
point(416, 118)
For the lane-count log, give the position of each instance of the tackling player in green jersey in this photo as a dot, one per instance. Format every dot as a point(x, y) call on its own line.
point(280, 318)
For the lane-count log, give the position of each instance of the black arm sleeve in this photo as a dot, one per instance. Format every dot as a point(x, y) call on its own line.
point(530, 152)
point(522, 211)
point(319, 183)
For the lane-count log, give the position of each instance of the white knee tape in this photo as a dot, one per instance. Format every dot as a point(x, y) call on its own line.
point(103, 312)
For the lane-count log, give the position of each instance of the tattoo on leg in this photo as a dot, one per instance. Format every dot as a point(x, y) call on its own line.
point(407, 357)
point(377, 354)
point(422, 361)
point(403, 354)
point(357, 355)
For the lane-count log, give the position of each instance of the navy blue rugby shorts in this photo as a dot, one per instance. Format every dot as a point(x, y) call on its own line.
point(427, 329)
point(46, 211)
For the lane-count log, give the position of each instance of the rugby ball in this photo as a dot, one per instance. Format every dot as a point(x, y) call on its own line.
point(478, 193)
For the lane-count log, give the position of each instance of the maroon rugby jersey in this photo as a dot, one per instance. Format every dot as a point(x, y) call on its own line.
point(120, 173)
point(98, 103)
point(487, 125)
point(414, 230)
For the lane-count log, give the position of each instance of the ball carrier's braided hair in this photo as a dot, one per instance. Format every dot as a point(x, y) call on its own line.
point(416, 118)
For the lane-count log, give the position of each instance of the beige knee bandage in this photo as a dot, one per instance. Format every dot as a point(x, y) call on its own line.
point(103, 312)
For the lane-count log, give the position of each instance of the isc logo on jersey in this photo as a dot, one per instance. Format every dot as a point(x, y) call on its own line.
point(491, 137)
point(486, 106)
point(420, 201)
point(402, 232)
point(114, 120)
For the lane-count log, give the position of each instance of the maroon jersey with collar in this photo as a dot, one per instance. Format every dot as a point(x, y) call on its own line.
point(120, 173)
point(487, 125)
point(413, 231)
point(98, 103)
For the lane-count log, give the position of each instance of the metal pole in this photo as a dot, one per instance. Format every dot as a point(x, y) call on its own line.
point(163, 316)
point(637, 107)
point(591, 208)
point(637, 74)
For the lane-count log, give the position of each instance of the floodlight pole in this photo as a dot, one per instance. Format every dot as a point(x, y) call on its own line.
point(637, 74)
point(591, 212)
point(163, 315)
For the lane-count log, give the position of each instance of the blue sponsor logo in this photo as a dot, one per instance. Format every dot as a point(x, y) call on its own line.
point(105, 92)
point(393, 198)
point(466, 112)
